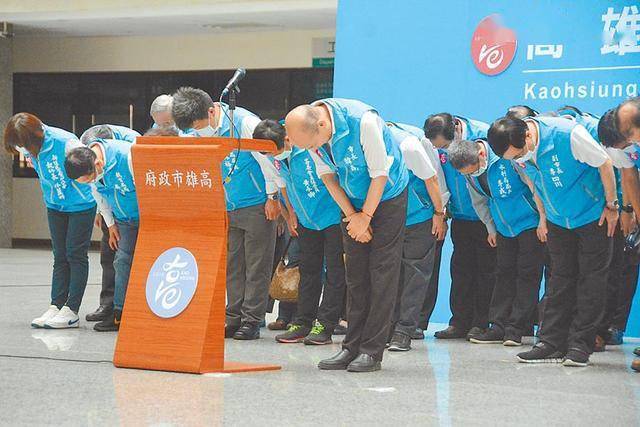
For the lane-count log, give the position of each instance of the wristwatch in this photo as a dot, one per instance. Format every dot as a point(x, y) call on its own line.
point(627, 208)
point(273, 196)
point(613, 205)
point(438, 213)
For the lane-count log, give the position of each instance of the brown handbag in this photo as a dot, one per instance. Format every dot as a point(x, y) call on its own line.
point(285, 281)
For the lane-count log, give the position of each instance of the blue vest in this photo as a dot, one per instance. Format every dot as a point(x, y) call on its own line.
point(590, 122)
point(58, 191)
point(571, 191)
point(460, 205)
point(510, 201)
point(348, 156)
point(246, 185)
point(117, 185)
point(308, 195)
point(123, 133)
point(419, 203)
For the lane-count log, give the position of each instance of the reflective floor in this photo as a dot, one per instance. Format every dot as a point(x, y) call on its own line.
point(66, 378)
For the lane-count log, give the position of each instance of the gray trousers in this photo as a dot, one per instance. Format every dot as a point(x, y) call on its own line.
point(418, 253)
point(250, 246)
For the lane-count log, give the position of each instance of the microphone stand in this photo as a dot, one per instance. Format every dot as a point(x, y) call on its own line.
point(233, 92)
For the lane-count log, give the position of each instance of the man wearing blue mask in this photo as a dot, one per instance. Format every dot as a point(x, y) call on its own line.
point(107, 253)
point(473, 260)
point(516, 225)
point(573, 176)
point(251, 190)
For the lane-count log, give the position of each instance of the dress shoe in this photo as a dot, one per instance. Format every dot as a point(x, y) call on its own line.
point(364, 363)
point(247, 332)
point(103, 312)
point(278, 325)
point(450, 333)
point(230, 330)
point(636, 351)
point(338, 362)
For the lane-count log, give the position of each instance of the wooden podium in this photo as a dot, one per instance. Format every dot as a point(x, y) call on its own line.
point(182, 208)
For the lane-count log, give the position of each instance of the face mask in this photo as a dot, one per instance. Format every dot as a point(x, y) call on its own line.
point(207, 131)
point(525, 158)
point(23, 151)
point(99, 176)
point(283, 156)
point(481, 170)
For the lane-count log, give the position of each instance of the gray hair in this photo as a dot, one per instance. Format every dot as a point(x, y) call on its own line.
point(463, 154)
point(161, 104)
point(310, 117)
point(95, 132)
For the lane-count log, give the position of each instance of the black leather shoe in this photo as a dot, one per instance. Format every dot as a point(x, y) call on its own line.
point(474, 332)
point(103, 312)
point(337, 362)
point(230, 330)
point(451, 333)
point(247, 332)
point(364, 363)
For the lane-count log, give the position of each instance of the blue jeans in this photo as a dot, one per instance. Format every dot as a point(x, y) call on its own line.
point(123, 259)
point(70, 240)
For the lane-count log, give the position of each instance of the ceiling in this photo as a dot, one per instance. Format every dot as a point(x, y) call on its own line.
point(100, 18)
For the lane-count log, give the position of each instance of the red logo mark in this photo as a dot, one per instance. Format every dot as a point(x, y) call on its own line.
point(493, 46)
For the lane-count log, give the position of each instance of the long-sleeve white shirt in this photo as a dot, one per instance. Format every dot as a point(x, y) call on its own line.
point(372, 142)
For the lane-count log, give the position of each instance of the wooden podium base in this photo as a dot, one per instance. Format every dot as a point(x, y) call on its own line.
point(239, 367)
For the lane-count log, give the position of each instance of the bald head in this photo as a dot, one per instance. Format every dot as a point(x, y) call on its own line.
point(308, 126)
point(628, 119)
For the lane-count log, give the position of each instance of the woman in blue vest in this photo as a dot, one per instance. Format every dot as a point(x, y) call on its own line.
point(251, 191)
point(362, 167)
point(507, 207)
point(314, 218)
point(107, 254)
point(473, 260)
point(71, 210)
point(106, 164)
point(573, 176)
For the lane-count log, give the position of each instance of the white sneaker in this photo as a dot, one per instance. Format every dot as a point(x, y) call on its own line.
point(39, 322)
point(65, 318)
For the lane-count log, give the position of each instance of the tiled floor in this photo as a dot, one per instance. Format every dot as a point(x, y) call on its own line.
point(66, 378)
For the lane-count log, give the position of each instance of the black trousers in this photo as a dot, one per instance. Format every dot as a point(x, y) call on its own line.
point(315, 248)
point(621, 287)
point(518, 275)
point(373, 272)
point(432, 290)
point(108, 272)
point(576, 291)
point(473, 276)
point(415, 274)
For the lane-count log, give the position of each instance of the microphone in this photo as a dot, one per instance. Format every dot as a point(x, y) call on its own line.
point(237, 76)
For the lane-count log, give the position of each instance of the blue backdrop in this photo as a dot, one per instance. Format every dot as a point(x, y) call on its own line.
point(411, 58)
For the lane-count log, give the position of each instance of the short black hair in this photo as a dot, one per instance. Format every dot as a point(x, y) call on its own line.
point(96, 132)
point(568, 109)
point(635, 121)
point(272, 130)
point(507, 132)
point(521, 111)
point(79, 162)
point(608, 133)
point(440, 124)
point(190, 104)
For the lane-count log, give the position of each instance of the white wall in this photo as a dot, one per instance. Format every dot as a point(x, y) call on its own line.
point(284, 49)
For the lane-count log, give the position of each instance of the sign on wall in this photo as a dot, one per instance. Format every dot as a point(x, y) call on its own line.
point(324, 52)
